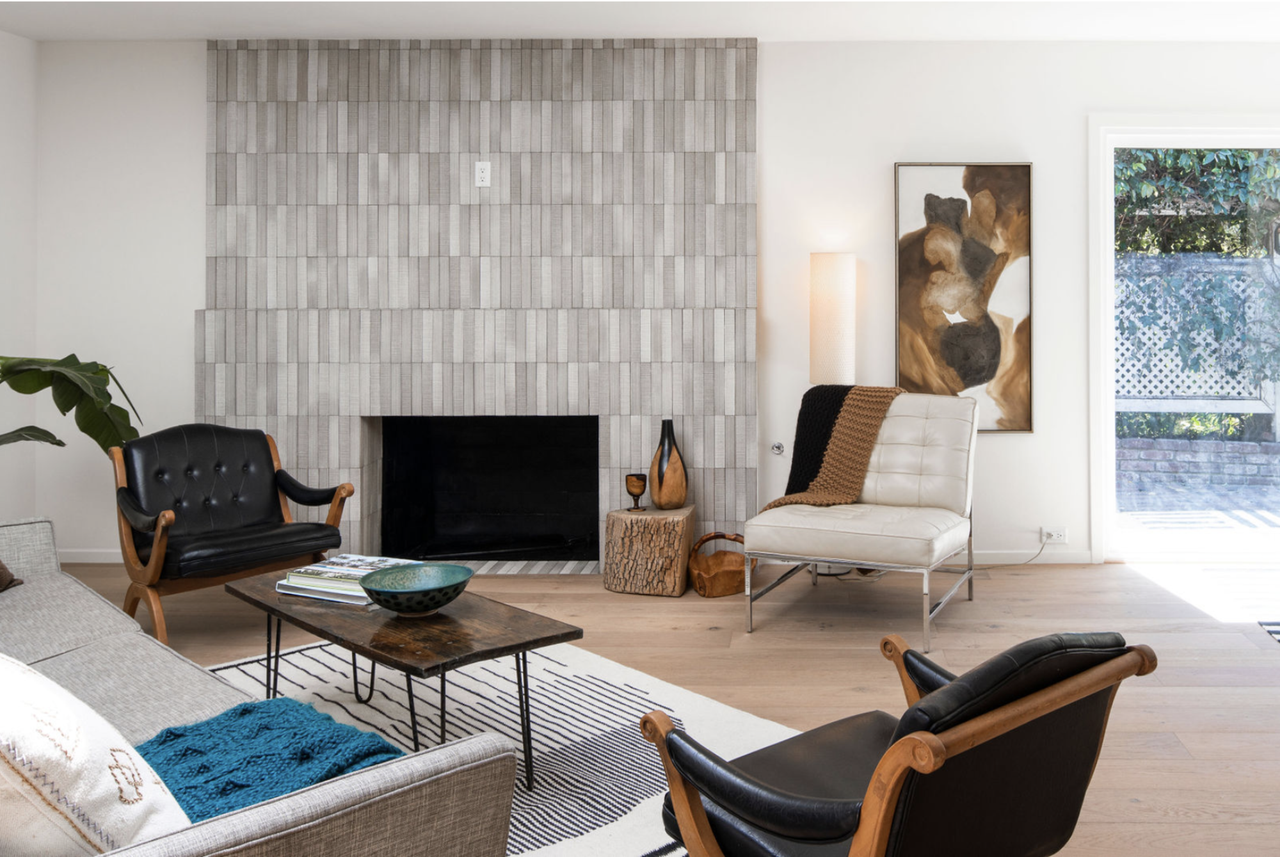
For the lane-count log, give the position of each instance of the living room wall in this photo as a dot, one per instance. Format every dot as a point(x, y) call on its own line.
point(120, 241)
point(833, 119)
point(17, 259)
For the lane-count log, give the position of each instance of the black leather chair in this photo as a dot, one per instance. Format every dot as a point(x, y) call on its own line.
point(199, 505)
point(993, 763)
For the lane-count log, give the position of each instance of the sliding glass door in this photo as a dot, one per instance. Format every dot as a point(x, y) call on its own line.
point(1196, 272)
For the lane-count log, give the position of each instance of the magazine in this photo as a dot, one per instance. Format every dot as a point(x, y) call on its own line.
point(344, 571)
point(322, 594)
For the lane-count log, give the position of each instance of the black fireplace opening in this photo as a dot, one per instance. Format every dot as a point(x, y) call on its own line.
point(472, 488)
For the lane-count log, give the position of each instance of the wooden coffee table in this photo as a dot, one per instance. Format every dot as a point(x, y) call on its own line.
point(468, 630)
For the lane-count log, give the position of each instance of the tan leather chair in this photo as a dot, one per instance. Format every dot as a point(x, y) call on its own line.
point(913, 515)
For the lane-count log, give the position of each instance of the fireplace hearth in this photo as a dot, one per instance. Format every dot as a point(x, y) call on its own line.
point(491, 487)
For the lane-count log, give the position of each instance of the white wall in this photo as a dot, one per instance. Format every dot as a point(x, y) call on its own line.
point(833, 120)
point(121, 240)
point(120, 251)
point(17, 260)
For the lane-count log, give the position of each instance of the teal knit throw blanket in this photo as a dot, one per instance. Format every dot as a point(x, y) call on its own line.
point(255, 752)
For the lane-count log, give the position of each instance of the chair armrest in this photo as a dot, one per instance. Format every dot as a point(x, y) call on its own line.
point(134, 513)
point(798, 817)
point(927, 675)
point(454, 799)
point(301, 494)
point(919, 675)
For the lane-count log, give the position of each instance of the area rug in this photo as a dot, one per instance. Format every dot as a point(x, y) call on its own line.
point(598, 784)
point(1272, 628)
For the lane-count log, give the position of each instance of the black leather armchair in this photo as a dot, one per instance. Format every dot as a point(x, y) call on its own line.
point(199, 505)
point(995, 763)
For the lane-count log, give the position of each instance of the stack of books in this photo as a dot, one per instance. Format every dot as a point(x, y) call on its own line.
point(335, 579)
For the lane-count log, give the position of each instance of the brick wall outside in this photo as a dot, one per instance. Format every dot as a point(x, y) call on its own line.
point(1144, 461)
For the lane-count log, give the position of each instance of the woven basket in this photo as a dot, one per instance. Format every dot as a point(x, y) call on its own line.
point(719, 573)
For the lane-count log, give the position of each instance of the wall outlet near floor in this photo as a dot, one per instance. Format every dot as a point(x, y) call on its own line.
point(482, 173)
point(1053, 535)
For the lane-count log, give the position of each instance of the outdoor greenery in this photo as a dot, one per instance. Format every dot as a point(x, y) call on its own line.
point(75, 386)
point(1252, 427)
point(1218, 202)
point(1197, 200)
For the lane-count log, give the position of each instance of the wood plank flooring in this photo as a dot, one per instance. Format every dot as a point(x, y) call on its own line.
point(1191, 765)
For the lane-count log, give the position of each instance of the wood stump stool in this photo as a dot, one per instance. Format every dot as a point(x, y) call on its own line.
point(647, 553)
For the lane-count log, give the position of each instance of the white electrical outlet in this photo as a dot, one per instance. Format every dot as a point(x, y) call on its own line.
point(1053, 535)
point(482, 173)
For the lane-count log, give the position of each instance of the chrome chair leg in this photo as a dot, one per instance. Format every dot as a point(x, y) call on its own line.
point(926, 610)
point(971, 566)
point(747, 583)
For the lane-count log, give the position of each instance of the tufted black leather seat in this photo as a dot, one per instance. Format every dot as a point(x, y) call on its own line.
point(221, 484)
point(1017, 794)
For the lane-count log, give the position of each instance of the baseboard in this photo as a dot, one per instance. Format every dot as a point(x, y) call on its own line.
point(1022, 557)
point(90, 555)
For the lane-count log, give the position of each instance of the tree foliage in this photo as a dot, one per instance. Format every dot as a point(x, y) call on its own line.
point(1205, 201)
point(1197, 200)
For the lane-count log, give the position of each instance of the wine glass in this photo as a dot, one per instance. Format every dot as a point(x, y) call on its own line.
point(635, 487)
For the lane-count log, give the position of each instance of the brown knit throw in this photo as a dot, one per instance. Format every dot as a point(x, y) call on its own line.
point(844, 462)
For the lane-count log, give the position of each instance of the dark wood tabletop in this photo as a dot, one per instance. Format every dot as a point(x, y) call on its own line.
point(471, 628)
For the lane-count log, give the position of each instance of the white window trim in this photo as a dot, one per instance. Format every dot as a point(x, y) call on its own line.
point(1108, 132)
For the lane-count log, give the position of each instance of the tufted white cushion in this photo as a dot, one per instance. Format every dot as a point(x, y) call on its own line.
point(914, 508)
point(924, 454)
point(861, 532)
point(69, 782)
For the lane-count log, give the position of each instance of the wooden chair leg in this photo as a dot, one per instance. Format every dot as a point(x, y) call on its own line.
point(131, 599)
point(137, 592)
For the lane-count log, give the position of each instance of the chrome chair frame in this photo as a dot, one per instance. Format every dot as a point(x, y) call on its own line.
point(930, 610)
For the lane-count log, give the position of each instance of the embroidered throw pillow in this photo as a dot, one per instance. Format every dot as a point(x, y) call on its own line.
point(7, 580)
point(69, 782)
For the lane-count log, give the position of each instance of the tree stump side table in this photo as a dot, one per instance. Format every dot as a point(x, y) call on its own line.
point(647, 553)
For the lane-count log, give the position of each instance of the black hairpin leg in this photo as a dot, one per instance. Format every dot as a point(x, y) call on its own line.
point(442, 698)
point(526, 728)
point(413, 715)
point(273, 658)
point(355, 679)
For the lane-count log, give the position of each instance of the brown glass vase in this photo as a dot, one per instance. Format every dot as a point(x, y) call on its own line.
point(668, 482)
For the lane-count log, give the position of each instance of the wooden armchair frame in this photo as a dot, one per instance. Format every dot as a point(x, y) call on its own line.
point(923, 752)
point(145, 581)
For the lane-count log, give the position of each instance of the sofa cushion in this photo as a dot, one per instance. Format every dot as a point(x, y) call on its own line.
point(212, 553)
point(258, 751)
point(34, 617)
point(69, 782)
point(860, 533)
point(139, 685)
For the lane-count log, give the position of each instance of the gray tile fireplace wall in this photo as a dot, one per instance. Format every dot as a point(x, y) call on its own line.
point(354, 270)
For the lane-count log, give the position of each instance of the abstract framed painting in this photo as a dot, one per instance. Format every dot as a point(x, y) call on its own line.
point(964, 286)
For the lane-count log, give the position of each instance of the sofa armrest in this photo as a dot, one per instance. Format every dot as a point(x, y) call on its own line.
point(134, 513)
point(454, 799)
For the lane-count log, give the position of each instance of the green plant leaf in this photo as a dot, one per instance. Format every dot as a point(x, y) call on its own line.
point(76, 385)
point(34, 433)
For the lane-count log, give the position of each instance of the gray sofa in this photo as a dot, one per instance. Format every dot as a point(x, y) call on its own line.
point(452, 800)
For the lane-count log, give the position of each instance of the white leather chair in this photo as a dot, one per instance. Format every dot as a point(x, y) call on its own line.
point(913, 515)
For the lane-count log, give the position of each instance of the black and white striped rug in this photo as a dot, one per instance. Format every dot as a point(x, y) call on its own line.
point(599, 784)
point(1272, 628)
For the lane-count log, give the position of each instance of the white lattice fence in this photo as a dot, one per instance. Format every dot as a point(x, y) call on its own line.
point(1148, 368)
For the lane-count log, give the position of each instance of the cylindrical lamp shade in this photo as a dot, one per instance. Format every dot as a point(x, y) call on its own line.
point(833, 293)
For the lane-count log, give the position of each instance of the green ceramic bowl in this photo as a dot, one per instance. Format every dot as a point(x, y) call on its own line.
point(419, 589)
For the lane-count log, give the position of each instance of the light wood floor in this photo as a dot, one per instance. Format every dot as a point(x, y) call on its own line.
point(1191, 764)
